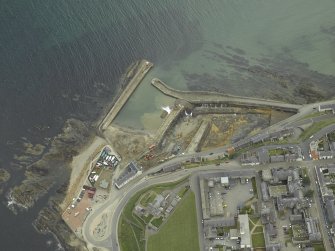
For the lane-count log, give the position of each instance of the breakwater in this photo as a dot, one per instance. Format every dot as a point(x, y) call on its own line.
point(213, 98)
point(142, 69)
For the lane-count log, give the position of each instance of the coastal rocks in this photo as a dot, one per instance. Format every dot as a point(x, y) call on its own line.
point(42, 174)
point(49, 220)
point(280, 77)
point(4, 176)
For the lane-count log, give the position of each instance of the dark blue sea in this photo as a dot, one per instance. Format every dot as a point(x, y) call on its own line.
point(63, 59)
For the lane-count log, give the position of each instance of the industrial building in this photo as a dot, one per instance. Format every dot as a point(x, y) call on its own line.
point(130, 172)
point(244, 231)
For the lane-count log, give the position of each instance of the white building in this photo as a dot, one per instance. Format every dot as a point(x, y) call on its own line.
point(225, 181)
point(244, 231)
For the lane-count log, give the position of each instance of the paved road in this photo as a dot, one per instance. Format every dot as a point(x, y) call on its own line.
point(118, 198)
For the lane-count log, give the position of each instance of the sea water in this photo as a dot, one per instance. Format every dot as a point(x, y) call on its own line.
point(63, 59)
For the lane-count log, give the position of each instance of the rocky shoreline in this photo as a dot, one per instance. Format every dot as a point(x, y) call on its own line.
point(50, 170)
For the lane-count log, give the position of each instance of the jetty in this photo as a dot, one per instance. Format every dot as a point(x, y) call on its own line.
point(214, 99)
point(142, 69)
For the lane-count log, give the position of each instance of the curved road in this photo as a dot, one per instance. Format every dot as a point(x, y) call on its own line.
point(118, 198)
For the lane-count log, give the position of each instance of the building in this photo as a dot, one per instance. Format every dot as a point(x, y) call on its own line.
point(244, 231)
point(277, 158)
point(171, 168)
point(233, 233)
point(268, 215)
point(158, 201)
point(296, 218)
point(130, 172)
point(220, 222)
point(265, 193)
point(330, 208)
point(273, 247)
point(326, 154)
point(313, 229)
point(280, 174)
point(267, 175)
point(286, 202)
point(271, 230)
point(324, 108)
point(225, 181)
point(249, 159)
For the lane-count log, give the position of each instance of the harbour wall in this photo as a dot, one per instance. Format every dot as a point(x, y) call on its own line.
point(142, 69)
point(208, 98)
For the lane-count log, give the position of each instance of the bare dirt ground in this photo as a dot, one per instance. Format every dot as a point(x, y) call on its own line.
point(129, 143)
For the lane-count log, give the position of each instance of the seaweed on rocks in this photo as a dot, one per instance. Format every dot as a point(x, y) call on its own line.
point(49, 220)
point(44, 173)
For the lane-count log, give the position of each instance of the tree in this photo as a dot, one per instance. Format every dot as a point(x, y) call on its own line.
point(309, 193)
point(306, 181)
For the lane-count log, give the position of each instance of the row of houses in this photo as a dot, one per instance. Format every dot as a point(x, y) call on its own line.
point(283, 189)
point(260, 138)
point(262, 156)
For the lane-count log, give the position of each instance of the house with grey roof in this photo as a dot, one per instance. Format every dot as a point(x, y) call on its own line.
point(326, 154)
point(277, 158)
point(265, 191)
point(330, 209)
point(327, 107)
point(271, 230)
point(313, 229)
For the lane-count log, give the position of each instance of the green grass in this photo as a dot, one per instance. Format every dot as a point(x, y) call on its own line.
point(331, 136)
point(254, 187)
point(251, 225)
point(180, 232)
point(313, 115)
point(273, 152)
point(246, 210)
point(147, 198)
point(157, 222)
point(258, 240)
point(147, 219)
point(130, 236)
point(315, 128)
point(254, 219)
point(319, 247)
point(258, 229)
point(183, 191)
point(167, 186)
point(131, 228)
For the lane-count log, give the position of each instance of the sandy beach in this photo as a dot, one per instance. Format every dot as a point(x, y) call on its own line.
point(80, 166)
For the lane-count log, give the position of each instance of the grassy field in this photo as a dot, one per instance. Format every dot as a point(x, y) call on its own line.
point(319, 247)
point(313, 115)
point(315, 128)
point(131, 228)
point(180, 232)
point(258, 229)
point(147, 198)
point(254, 187)
point(258, 240)
point(157, 222)
point(273, 152)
